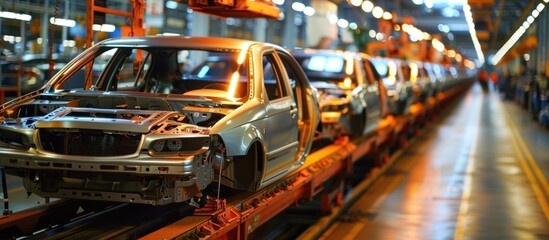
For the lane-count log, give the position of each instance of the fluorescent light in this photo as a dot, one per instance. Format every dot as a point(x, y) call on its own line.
point(377, 12)
point(107, 28)
point(540, 7)
point(438, 45)
point(535, 13)
point(16, 16)
point(69, 43)
point(429, 4)
point(530, 19)
point(459, 57)
point(353, 26)
point(473, 32)
point(356, 3)
point(104, 27)
point(169, 34)
point(387, 16)
point(372, 33)
point(171, 4)
point(367, 6)
point(443, 28)
point(298, 7)
point(309, 11)
point(62, 22)
point(342, 23)
point(380, 37)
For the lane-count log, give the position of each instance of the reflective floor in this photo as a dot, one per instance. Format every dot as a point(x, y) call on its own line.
point(477, 173)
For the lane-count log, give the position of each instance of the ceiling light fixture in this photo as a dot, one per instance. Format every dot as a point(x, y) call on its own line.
point(473, 32)
point(518, 34)
point(367, 6)
point(17, 16)
point(355, 3)
point(377, 12)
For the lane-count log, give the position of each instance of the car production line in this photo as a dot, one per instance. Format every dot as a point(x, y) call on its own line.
point(474, 174)
point(462, 177)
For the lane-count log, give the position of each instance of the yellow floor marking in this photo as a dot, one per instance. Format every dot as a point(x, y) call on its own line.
point(533, 165)
point(330, 230)
point(529, 170)
point(357, 227)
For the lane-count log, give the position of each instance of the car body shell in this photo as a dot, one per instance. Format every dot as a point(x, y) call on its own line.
point(399, 89)
point(423, 83)
point(126, 144)
point(437, 75)
point(352, 96)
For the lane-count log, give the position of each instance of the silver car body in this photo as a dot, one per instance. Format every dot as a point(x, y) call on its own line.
point(349, 88)
point(399, 89)
point(422, 83)
point(148, 141)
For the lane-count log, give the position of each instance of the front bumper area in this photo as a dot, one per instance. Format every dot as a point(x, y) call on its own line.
point(142, 179)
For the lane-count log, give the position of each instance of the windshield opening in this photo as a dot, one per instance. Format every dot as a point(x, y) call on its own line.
point(218, 75)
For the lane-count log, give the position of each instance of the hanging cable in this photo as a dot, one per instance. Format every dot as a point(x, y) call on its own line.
point(219, 181)
point(52, 38)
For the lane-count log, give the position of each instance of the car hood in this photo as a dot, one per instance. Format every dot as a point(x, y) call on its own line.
point(324, 85)
point(116, 120)
point(328, 91)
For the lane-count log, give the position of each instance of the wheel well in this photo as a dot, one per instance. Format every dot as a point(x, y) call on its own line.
point(259, 154)
point(250, 168)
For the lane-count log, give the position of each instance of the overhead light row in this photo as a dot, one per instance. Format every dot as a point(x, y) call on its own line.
point(11, 39)
point(16, 16)
point(428, 3)
point(415, 33)
point(368, 7)
point(62, 22)
point(472, 31)
point(519, 32)
point(300, 7)
point(103, 27)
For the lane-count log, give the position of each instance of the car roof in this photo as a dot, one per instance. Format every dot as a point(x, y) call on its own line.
point(326, 52)
point(180, 41)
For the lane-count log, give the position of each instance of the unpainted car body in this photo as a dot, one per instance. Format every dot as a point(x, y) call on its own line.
point(124, 121)
point(399, 88)
point(423, 84)
point(437, 75)
point(352, 96)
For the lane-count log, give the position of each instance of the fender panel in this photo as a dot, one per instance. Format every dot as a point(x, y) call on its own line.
point(238, 140)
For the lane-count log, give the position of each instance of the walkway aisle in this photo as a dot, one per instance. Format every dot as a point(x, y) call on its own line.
point(466, 177)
